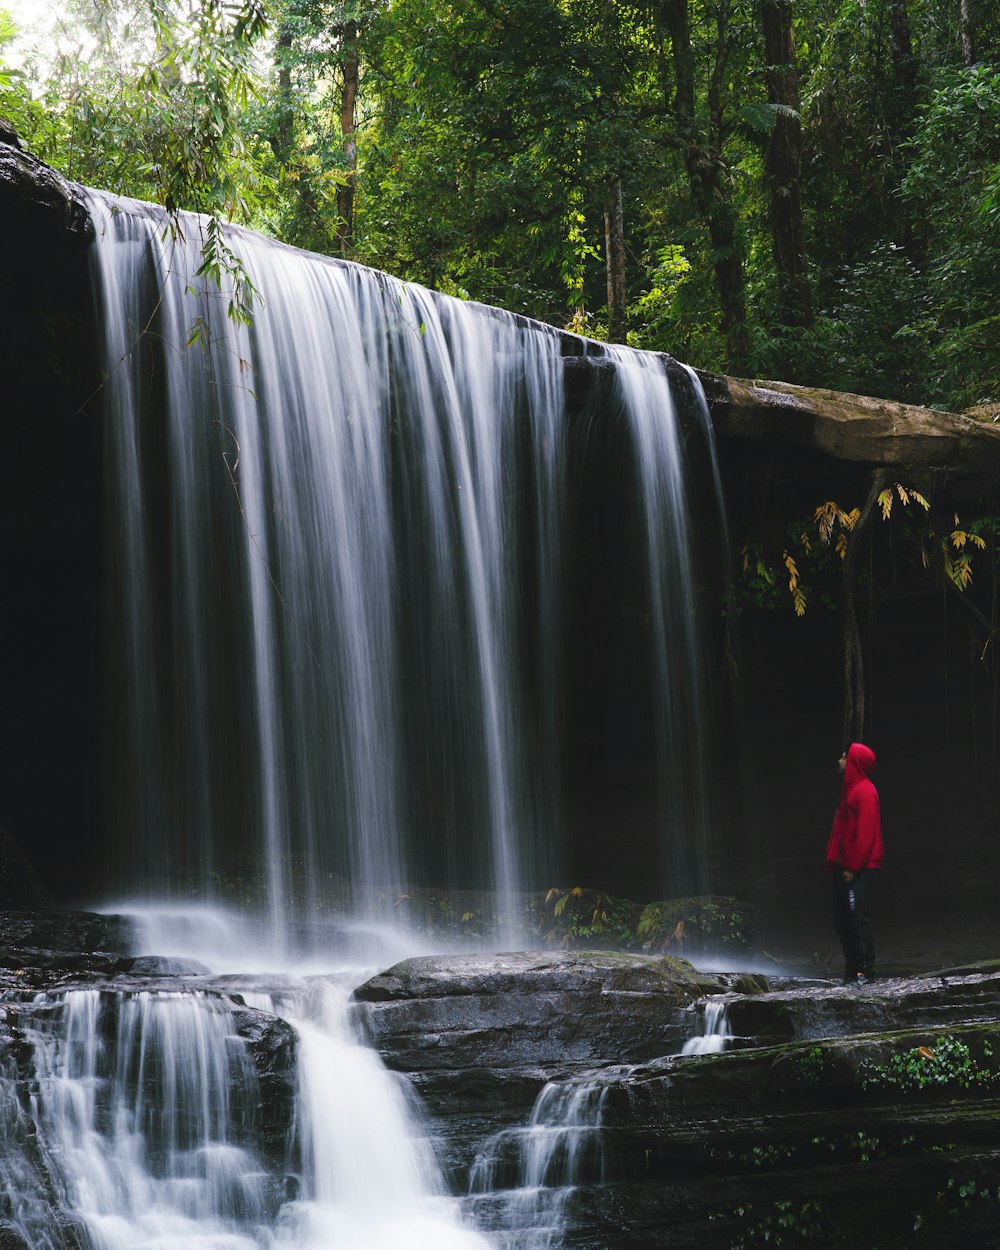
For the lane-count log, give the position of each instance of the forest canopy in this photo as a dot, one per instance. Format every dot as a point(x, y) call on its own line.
point(807, 191)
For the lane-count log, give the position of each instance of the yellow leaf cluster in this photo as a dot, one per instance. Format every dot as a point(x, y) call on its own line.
point(798, 596)
point(828, 516)
point(958, 568)
point(906, 494)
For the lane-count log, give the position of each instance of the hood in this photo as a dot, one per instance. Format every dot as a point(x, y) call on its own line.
point(860, 762)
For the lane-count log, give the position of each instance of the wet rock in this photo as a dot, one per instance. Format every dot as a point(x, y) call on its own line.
point(166, 966)
point(38, 200)
point(561, 1009)
point(273, 1046)
point(11, 1239)
point(44, 949)
point(80, 932)
point(479, 1035)
point(738, 1148)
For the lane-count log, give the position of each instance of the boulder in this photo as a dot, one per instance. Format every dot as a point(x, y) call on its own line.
point(549, 1009)
point(854, 428)
point(43, 949)
point(273, 1046)
point(480, 1035)
point(37, 199)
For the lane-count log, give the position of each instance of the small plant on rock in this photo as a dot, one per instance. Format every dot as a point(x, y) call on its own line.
point(948, 1061)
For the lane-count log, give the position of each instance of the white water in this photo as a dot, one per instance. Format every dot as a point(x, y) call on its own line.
point(147, 1106)
point(716, 1032)
point(528, 1174)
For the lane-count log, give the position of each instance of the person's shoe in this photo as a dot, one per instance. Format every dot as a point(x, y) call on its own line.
point(862, 979)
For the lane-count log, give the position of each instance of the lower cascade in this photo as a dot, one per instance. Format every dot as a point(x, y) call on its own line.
point(524, 1176)
point(716, 1032)
point(145, 1131)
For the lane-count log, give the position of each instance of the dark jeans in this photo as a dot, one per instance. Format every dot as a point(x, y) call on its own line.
point(853, 922)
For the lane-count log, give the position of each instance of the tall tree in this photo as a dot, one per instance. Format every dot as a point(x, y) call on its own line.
point(783, 163)
point(702, 148)
point(614, 247)
point(350, 75)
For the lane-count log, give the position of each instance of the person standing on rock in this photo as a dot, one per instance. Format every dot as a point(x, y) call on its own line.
point(853, 854)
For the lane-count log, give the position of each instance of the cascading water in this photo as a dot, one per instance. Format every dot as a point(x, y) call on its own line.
point(716, 1032)
point(370, 474)
point(524, 1178)
point(339, 584)
point(144, 1107)
point(525, 1175)
point(146, 1118)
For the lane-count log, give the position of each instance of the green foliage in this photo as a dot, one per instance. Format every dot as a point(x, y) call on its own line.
point(488, 132)
point(782, 1223)
point(707, 922)
point(587, 918)
point(811, 1064)
point(946, 1062)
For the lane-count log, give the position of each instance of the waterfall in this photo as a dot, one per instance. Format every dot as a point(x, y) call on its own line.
point(341, 595)
point(524, 1176)
point(145, 1106)
point(145, 1132)
point(716, 1031)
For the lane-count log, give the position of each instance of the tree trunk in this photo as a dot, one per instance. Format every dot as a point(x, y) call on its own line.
point(705, 167)
point(614, 248)
point(854, 669)
point(284, 122)
point(967, 32)
point(904, 66)
point(784, 160)
point(348, 127)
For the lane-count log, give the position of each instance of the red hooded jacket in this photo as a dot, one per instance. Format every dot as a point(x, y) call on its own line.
point(856, 837)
